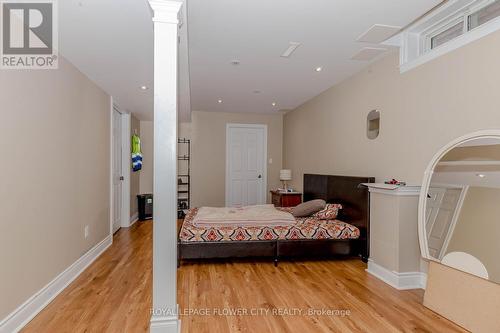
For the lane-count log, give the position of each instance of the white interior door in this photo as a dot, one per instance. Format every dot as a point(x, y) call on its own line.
point(441, 207)
point(246, 168)
point(117, 170)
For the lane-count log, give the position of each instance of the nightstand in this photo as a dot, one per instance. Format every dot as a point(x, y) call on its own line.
point(286, 199)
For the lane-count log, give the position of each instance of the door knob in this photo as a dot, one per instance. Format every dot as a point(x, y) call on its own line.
point(260, 176)
point(122, 178)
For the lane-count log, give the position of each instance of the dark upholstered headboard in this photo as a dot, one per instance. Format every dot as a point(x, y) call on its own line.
point(346, 191)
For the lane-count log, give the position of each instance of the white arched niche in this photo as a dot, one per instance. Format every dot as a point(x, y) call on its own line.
point(493, 134)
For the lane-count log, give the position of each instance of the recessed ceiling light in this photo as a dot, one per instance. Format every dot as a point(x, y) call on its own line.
point(480, 175)
point(144, 88)
point(273, 103)
point(219, 101)
point(319, 69)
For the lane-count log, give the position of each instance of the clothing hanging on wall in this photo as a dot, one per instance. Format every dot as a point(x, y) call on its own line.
point(136, 153)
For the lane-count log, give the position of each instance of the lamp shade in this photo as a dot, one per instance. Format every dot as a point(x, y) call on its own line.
point(285, 174)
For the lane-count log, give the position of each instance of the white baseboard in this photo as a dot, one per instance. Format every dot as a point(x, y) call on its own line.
point(165, 325)
point(29, 309)
point(134, 218)
point(400, 281)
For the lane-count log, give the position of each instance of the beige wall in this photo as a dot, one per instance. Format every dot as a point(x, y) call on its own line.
point(135, 180)
point(393, 232)
point(478, 228)
point(146, 174)
point(421, 110)
point(208, 133)
point(55, 179)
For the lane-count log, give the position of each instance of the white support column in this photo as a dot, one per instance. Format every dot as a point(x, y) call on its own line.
point(164, 313)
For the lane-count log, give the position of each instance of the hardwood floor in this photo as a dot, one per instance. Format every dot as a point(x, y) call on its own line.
point(114, 295)
point(299, 286)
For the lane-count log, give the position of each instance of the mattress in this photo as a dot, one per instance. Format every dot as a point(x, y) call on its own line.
point(304, 228)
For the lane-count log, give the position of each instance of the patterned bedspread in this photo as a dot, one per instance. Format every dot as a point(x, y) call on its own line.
point(304, 228)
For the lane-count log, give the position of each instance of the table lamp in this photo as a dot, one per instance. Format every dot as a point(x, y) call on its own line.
point(285, 175)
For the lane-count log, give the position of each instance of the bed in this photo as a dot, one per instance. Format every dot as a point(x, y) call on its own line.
point(348, 235)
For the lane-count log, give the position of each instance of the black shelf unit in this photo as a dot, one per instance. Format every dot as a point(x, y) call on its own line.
point(183, 176)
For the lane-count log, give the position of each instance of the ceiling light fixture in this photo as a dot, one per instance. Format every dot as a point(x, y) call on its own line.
point(144, 88)
point(480, 175)
point(219, 101)
point(319, 69)
point(273, 103)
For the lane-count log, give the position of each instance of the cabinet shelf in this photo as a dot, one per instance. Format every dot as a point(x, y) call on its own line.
point(184, 177)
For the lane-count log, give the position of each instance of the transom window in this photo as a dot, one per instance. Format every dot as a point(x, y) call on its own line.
point(463, 22)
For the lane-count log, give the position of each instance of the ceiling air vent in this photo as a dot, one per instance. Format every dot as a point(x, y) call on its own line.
point(378, 33)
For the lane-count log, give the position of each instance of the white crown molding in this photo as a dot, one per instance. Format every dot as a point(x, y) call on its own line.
point(400, 281)
point(166, 11)
point(29, 309)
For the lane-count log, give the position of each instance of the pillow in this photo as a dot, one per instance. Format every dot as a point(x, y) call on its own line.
point(308, 208)
point(330, 212)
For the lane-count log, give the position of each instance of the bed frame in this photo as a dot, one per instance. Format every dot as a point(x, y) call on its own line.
point(347, 191)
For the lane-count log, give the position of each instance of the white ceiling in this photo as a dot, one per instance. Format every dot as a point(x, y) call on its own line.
point(111, 41)
point(257, 32)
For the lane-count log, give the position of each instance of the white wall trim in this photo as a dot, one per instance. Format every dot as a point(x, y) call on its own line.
point(400, 281)
point(264, 160)
point(29, 309)
point(111, 139)
point(165, 325)
point(134, 218)
point(126, 167)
